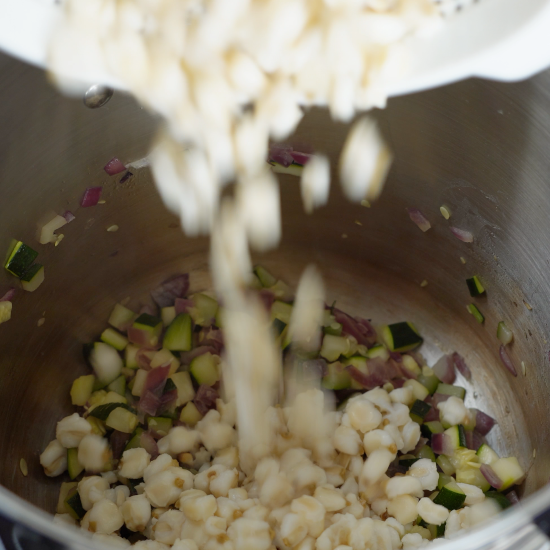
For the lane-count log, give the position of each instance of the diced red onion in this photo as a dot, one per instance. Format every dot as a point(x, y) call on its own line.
point(183, 305)
point(444, 369)
point(167, 399)
point(149, 444)
point(281, 154)
point(138, 336)
point(474, 440)
point(114, 166)
point(205, 399)
point(8, 297)
point(359, 328)
point(419, 219)
point(267, 298)
point(433, 414)
point(175, 287)
point(484, 422)
point(442, 444)
point(300, 158)
point(398, 383)
point(91, 196)
point(506, 360)
point(490, 475)
point(461, 366)
point(213, 338)
point(150, 399)
point(462, 234)
point(150, 310)
point(69, 216)
point(187, 356)
point(118, 441)
point(126, 177)
point(421, 442)
point(143, 360)
point(512, 496)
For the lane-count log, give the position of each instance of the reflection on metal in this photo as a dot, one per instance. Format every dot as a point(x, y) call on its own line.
point(96, 96)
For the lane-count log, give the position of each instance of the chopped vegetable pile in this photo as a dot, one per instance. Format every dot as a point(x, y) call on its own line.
point(153, 451)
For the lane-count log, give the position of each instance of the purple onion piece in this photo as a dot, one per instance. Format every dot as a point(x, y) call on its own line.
point(118, 441)
point(419, 219)
point(148, 442)
point(461, 366)
point(91, 196)
point(490, 475)
point(462, 235)
point(114, 166)
point(8, 297)
point(175, 287)
point(444, 369)
point(512, 496)
point(205, 399)
point(69, 216)
point(441, 444)
point(300, 158)
point(281, 154)
point(484, 422)
point(506, 360)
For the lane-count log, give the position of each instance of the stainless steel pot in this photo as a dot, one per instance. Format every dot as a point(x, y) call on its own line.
point(479, 147)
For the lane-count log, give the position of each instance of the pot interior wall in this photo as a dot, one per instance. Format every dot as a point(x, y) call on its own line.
point(478, 147)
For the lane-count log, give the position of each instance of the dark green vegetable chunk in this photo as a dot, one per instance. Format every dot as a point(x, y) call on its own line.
point(474, 286)
point(20, 258)
point(103, 411)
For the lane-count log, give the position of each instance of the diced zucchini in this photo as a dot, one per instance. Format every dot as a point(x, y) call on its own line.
point(204, 369)
point(378, 350)
point(437, 531)
point(487, 455)
point(33, 277)
point(130, 360)
point(419, 410)
point(20, 259)
point(255, 282)
point(139, 382)
point(118, 385)
point(449, 389)
point(113, 338)
point(282, 311)
point(160, 425)
point(292, 169)
point(184, 387)
point(121, 318)
point(179, 335)
point(73, 505)
point(103, 411)
point(73, 465)
point(150, 325)
point(429, 382)
point(63, 492)
point(499, 498)
point(190, 414)
point(334, 328)
point(504, 334)
point(81, 390)
point(419, 391)
point(164, 357)
point(451, 496)
point(122, 420)
point(401, 336)
point(135, 439)
point(333, 347)
point(106, 363)
point(337, 377)
point(360, 363)
point(5, 311)
point(281, 291)
point(264, 276)
point(426, 452)
point(408, 460)
point(456, 436)
point(430, 428)
point(167, 314)
point(277, 326)
point(204, 310)
point(446, 465)
point(475, 287)
point(98, 426)
point(472, 476)
point(444, 479)
point(472, 308)
point(410, 364)
point(509, 471)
